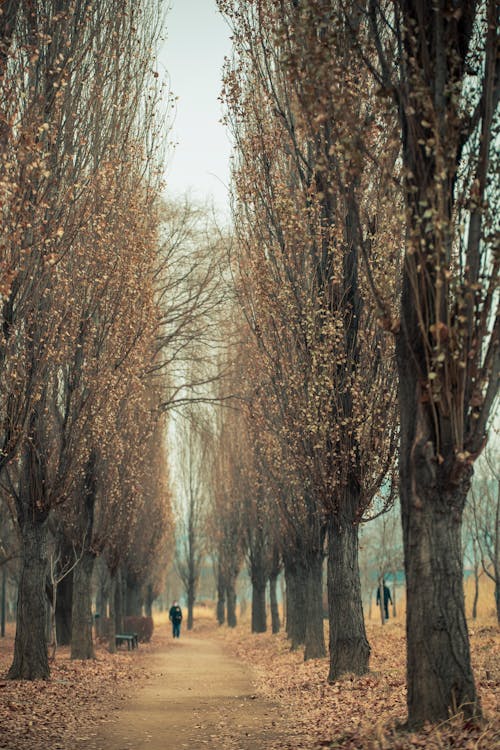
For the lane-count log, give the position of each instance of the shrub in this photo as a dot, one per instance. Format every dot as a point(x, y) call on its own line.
point(143, 626)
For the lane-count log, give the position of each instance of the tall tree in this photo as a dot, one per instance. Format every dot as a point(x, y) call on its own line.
point(225, 522)
point(191, 503)
point(66, 150)
point(439, 64)
point(308, 207)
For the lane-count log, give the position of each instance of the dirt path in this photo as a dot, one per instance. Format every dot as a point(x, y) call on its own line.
point(197, 697)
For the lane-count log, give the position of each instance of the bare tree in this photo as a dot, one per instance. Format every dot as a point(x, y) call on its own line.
point(485, 506)
point(225, 521)
point(191, 502)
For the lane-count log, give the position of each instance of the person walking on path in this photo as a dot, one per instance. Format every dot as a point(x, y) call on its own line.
point(175, 617)
point(387, 598)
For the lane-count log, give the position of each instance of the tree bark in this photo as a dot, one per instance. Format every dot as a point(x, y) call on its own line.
point(273, 597)
point(148, 606)
point(258, 576)
point(315, 636)
point(231, 605)
point(349, 648)
point(101, 607)
point(190, 603)
point(476, 592)
point(82, 646)
point(118, 602)
point(133, 604)
point(64, 603)
point(439, 672)
point(4, 596)
point(440, 680)
point(380, 595)
point(30, 660)
point(112, 611)
point(295, 605)
point(394, 611)
point(283, 597)
point(221, 594)
point(259, 619)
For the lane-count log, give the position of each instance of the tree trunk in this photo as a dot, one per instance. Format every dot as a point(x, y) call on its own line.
point(4, 596)
point(133, 603)
point(259, 619)
point(283, 597)
point(275, 615)
point(190, 604)
point(394, 612)
point(314, 637)
point(243, 606)
point(221, 593)
point(381, 600)
point(349, 648)
point(112, 614)
point(118, 602)
point(148, 607)
point(82, 646)
point(295, 605)
point(496, 553)
point(102, 595)
point(439, 676)
point(64, 603)
point(440, 680)
point(101, 608)
point(231, 605)
point(30, 648)
point(476, 591)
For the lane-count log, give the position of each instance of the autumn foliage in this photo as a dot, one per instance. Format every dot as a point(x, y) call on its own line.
point(80, 406)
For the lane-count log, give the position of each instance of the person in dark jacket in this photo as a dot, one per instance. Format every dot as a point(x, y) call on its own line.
point(175, 617)
point(387, 599)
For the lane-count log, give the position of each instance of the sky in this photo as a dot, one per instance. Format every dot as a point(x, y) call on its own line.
point(197, 39)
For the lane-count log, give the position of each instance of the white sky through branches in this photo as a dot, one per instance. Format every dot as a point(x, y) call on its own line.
point(197, 39)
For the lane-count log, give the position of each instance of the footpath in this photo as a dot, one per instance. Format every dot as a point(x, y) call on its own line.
point(196, 697)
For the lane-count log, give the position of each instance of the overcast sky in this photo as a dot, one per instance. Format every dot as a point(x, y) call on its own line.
point(197, 39)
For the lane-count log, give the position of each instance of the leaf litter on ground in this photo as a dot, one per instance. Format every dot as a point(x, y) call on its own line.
point(367, 712)
point(354, 713)
point(68, 708)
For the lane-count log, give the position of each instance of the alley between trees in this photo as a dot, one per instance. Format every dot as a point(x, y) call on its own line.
point(197, 696)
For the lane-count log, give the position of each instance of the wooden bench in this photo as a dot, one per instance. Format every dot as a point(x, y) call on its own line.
point(131, 639)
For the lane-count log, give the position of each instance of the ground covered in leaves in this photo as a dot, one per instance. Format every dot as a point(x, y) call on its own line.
point(364, 713)
point(368, 713)
point(80, 695)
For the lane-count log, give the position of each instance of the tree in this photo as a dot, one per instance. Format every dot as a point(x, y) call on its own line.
point(471, 551)
point(225, 521)
point(307, 208)
point(191, 503)
point(67, 152)
point(438, 65)
point(485, 507)
point(37, 332)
